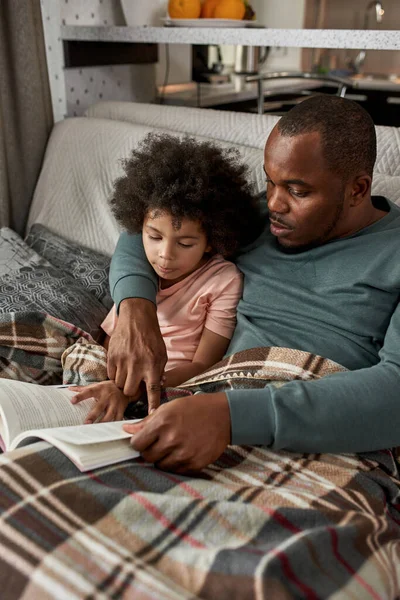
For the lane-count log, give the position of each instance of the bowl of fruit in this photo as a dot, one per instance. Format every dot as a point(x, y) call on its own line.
point(210, 13)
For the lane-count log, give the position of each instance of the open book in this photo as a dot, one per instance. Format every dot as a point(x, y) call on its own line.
point(29, 412)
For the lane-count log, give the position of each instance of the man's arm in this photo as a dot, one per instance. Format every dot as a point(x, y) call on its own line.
point(131, 275)
point(136, 350)
point(354, 411)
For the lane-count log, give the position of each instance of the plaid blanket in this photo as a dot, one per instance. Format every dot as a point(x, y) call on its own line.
point(253, 368)
point(31, 346)
point(257, 367)
point(256, 524)
point(38, 348)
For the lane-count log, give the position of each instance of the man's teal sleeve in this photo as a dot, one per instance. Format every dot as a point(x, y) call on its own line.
point(353, 411)
point(131, 275)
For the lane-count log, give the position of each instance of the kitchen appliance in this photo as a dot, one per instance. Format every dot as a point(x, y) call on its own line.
point(248, 59)
point(202, 71)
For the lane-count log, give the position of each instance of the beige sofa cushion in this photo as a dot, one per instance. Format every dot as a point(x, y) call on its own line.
point(83, 159)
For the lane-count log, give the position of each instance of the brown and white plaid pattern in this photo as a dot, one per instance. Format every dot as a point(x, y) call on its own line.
point(38, 348)
point(249, 369)
point(257, 524)
point(257, 367)
point(84, 362)
point(31, 345)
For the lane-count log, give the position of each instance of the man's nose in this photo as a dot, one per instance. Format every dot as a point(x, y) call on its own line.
point(277, 201)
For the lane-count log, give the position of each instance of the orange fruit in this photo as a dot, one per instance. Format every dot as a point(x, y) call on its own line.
point(208, 9)
point(184, 9)
point(230, 9)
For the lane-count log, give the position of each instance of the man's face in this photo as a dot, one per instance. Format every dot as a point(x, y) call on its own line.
point(307, 203)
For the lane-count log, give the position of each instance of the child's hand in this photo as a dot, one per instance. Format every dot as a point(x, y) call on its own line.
point(110, 400)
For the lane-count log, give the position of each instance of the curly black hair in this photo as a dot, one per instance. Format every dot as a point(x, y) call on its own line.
point(190, 179)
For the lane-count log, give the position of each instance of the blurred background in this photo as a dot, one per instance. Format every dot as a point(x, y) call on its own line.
point(216, 76)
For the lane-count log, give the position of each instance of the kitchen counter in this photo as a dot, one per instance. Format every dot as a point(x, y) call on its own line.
point(207, 95)
point(389, 83)
point(380, 97)
point(249, 36)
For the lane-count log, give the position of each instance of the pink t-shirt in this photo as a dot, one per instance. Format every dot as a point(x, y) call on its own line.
point(208, 297)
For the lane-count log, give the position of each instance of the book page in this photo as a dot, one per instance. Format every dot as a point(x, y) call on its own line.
point(88, 446)
point(25, 406)
point(82, 435)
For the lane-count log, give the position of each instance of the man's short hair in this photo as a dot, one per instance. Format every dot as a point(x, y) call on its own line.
point(347, 132)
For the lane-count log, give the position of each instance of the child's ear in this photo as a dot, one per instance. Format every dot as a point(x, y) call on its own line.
point(208, 249)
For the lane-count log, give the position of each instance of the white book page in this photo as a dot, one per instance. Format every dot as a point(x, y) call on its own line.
point(88, 446)
point(26, 406)
point(82, 435)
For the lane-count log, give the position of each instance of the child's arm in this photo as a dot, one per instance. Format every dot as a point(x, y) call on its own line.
point(211, 349)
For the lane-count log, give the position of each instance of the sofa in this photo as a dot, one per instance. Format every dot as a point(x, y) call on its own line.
point(257, 524)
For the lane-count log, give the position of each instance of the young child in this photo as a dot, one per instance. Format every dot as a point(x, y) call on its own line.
point(194, 206)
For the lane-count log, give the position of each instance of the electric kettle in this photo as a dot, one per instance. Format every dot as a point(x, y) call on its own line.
point(249, 58)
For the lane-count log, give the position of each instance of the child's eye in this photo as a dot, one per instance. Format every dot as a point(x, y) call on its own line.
point(185, 245)
point(152, 237)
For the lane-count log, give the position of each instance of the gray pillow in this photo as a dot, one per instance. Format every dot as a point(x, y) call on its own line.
point(29, 282)
point(88, 267)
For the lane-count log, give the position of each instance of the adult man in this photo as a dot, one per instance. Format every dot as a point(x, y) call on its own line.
point(324, 277)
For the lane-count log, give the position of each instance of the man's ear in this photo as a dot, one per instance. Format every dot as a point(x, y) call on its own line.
point(360, 189)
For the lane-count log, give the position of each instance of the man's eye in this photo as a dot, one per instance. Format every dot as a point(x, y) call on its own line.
point(298, 194)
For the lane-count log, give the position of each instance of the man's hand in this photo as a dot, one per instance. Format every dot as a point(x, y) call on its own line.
point(136, 351)
point(186, 434)
point(110, 401)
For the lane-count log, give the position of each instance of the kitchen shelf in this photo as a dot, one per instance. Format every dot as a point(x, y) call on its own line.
point(249, 36)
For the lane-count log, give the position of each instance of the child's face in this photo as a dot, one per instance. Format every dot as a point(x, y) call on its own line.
point(173, 253)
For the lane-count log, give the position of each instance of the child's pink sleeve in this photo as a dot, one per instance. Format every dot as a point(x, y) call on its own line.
point(221, 313)
point(109, 323)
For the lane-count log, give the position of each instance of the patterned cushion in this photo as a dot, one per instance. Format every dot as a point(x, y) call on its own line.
point(30, 282)
point(88, 267)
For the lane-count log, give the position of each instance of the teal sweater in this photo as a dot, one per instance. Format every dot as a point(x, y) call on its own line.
point(339, 300)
